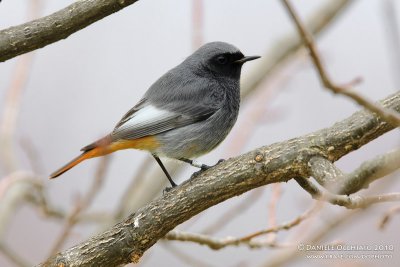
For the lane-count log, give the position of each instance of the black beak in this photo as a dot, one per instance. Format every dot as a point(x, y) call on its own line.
point(245, 59)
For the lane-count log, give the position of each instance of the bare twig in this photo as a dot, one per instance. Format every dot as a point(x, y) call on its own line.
point(285, 226)
point(219, 243)
point(81, 205)
point(350, 202)
point(284, 49)
point(387, 115)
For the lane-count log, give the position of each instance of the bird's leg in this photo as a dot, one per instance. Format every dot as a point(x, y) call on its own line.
point(164, 170)
point(197, 164)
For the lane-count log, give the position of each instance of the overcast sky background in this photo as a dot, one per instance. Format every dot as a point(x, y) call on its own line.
point(80, 87)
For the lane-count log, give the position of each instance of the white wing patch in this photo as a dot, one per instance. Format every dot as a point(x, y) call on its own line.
point(147, 115)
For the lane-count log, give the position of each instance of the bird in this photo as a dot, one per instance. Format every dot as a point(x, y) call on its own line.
point(186, 113)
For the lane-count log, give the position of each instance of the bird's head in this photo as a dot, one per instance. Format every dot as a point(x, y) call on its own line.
point(219, 58)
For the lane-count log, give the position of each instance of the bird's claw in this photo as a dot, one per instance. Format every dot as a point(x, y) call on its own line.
point(205, 167)
point(168, 189)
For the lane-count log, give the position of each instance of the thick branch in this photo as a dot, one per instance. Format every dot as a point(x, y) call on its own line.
point(330, 177)
point(370, 171)
point(279, 162)
point(38, 33)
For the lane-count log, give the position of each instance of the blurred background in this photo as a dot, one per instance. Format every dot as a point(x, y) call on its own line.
point(64, 96)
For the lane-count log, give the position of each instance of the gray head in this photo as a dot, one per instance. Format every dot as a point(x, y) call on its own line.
point(219, 58)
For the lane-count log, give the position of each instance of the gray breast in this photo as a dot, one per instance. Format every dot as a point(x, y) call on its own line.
point(201, 137)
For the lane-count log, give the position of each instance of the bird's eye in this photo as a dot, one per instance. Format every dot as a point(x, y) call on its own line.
point(222, 60)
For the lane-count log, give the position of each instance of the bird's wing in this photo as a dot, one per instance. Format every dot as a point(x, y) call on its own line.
point(171, 102)
point(148, 118)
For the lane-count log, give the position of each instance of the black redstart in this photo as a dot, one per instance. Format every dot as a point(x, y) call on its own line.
point(184, 114)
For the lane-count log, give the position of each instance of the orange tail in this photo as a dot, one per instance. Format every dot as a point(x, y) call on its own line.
point(96, 152)
point(104, 146)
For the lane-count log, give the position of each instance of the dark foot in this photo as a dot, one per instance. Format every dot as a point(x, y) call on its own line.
point(168, 189)
point(219, 161)
point(204, 167)
point(195, 174)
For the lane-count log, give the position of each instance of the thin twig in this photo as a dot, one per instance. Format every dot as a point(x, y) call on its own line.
point(219, 243)
point(287, 47)
point(386, 114)
point(285, 226)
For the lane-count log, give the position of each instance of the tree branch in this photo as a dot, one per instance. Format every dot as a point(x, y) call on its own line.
point(279, 162)
point(219, 243)
point(330, 177)
point(371, 170)
point(38, 33)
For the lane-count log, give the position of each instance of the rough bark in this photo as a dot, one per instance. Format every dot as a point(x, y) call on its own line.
point(279, 162)
point(38, 33)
